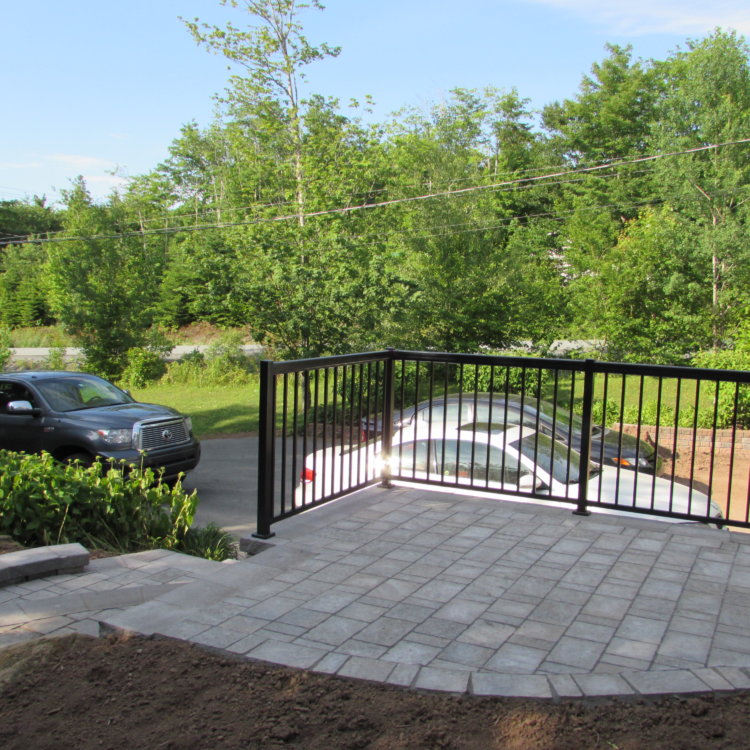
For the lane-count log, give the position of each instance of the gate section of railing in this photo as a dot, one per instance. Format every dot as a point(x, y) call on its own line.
point(314, 418)
point(663, 441)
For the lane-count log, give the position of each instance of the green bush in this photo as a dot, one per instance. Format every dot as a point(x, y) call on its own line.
point(104, 506)
point(485, 378)
point(55, 360)
point(223, 364)
point(209, 542)
point(730, 398)
point(143, 366)
point(649, 415)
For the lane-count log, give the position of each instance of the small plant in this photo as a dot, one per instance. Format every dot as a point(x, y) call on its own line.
point(143, 366)
point(733, 401)
point(55, 360)
point(209, 542)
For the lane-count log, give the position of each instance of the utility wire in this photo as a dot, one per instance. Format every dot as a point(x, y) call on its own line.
point(517, 183)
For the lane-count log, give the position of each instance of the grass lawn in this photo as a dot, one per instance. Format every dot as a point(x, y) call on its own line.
point(669, 391)
point(215, 410)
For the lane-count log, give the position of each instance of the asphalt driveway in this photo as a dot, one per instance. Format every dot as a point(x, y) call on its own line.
point(227, 482)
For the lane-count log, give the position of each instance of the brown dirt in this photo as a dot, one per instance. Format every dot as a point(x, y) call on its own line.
point(8, 545)
point(82, 692)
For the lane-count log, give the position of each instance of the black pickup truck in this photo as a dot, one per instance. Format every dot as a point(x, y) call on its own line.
point(79, 416)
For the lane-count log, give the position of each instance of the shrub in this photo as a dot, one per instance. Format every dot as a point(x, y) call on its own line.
point(55, 360)
point(209, 542)
point(143, 366)
point(485, 378)
point(731, 399)
point(223, 364)
point(110, 506)
point(649, 415)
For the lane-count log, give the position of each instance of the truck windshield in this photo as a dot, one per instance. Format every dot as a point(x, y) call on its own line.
point(71, 394)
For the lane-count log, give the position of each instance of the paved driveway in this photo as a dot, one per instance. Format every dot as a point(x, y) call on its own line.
point(227, 484)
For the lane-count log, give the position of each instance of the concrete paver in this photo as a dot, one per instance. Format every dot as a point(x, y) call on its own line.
point(443, 592)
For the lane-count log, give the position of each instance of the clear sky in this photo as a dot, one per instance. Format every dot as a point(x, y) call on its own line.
point(100, 88)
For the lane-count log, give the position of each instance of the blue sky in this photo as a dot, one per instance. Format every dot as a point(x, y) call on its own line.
point(100, 88)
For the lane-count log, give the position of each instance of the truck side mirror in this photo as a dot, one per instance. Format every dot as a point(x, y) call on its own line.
point(21, 407)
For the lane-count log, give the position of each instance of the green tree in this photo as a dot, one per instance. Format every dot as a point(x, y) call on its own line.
point(22, 291)
point(273, 56)
point(654, 284)
point(23, 295)
point(103, 280)
point(708, 103)
point(612, 115)
point(21, 219)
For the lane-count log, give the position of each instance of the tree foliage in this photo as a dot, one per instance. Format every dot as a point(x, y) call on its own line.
point(460, 226)
point(102, 284)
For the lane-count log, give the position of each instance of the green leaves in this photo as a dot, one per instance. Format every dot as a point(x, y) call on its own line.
point(103, 282)
point(111, 506)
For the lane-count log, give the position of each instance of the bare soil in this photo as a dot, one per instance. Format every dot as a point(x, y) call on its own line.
point(8, 545)
point(83, 692)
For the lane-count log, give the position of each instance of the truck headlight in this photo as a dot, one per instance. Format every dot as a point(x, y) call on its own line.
point(117, 438)
point(189, 425)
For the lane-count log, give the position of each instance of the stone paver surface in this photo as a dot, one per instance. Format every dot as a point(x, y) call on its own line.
point(76, 602)
point(443, 592)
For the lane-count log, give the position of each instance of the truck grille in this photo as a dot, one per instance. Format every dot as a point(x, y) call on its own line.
point(154, 435)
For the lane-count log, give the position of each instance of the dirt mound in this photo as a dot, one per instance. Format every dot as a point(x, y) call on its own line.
point(81, 692)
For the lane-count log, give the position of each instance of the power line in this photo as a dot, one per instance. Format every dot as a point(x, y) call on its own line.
point(518, 183)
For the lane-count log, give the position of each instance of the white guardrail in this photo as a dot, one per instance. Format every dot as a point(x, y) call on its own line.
point(35, 354)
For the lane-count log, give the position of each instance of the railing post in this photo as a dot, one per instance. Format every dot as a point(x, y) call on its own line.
point(387, 433)
point(588, 404)
point(266, 444)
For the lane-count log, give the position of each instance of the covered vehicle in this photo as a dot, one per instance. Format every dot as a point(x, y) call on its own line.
point(608, 447)
point(78, 416)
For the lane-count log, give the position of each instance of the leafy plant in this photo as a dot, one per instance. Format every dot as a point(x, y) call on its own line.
point(224, 363)
point(55, 360)
point(209, 542)
point(493, 378)
point(733, 401)
point(143, 366)
point(112, 506)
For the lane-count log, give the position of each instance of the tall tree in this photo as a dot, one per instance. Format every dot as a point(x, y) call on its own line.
point(707, 103)
point(273, 55)
point(653, 284)
point(103, 281)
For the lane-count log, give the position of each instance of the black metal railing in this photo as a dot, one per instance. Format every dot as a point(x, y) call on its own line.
point(663, 441)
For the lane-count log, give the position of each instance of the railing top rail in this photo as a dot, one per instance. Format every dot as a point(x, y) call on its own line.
point(553, 363)
point(315, 363)
point(487, 359)
point(673, 371)
point(579, 365)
